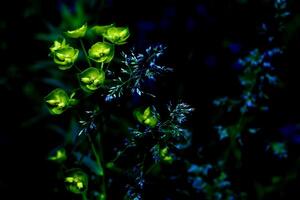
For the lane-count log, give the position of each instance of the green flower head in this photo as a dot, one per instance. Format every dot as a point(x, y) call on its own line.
point(57, 101)
point(91, 79)
point(65, 57)
point(101, 52)
point(165, 155)
point(117, 35)
point(77, 33)
point(58, 155)
point(146, 117)
point(76, 181)
point(58, 45)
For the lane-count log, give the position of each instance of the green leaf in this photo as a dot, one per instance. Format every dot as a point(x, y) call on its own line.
point(90, 163)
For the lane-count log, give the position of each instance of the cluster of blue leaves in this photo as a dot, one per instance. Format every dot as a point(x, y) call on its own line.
point(257, 75)
point(204, 179)
point(138, 69)
point(258, 71)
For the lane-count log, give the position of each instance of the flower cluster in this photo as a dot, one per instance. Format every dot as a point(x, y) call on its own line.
point(93, 77)
point(135, 70)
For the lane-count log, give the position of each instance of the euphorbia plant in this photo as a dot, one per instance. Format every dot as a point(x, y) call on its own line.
point(99, 77)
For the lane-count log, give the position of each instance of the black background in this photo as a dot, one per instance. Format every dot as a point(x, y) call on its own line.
point(195, 33)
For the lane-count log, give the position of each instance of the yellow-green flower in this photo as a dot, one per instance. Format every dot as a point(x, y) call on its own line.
point(91, 79)
point(57, 101)
point(58, 45)
point(65, 57)
point(77, 33)
point(58, 155)
point(165, 156)
point(147, 117)
point(76, 181)
point(101, 52)
point(117, 35)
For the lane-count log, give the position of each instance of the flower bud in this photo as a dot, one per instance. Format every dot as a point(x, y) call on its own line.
point(76, 181)
point(57, 101)
point(147, 117)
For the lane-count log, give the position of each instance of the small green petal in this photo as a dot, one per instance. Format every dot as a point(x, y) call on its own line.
point(139, 116)
point(52, 101)
point(69, 179)
point(58, 45)
point(85, 80)
point(147, 112)
point(151, 121)
point(101, 52)
point(57, 101)
point(168, 159)
point(91, 79)
point(164, 154)
point(99, 30)
point(73, 102)
point(58, 155)
point(80, 185)
point(77, 33)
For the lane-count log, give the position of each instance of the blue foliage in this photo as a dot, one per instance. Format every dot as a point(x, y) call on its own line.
point(222, 132)
point(138, 69)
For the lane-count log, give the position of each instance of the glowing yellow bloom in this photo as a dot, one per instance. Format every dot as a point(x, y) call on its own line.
point(147, 117)
point(65, 57)
point(76, 181)
point(101, 52)
point(91, 79)
point(57, 101)
point(117, 35)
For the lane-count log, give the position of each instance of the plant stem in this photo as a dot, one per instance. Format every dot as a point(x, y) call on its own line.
point(85, 53)
point(77, 68)
point(84, 197)
point(99, 163)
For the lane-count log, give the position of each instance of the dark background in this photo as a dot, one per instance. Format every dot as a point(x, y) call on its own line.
point(204, 40)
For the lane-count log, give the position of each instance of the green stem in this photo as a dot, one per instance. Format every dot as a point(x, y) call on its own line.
point(85, 53)
point(84, 197)
point(98, 161)
point(77, 68)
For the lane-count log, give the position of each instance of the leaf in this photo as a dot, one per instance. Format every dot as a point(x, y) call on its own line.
point(90, 163)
